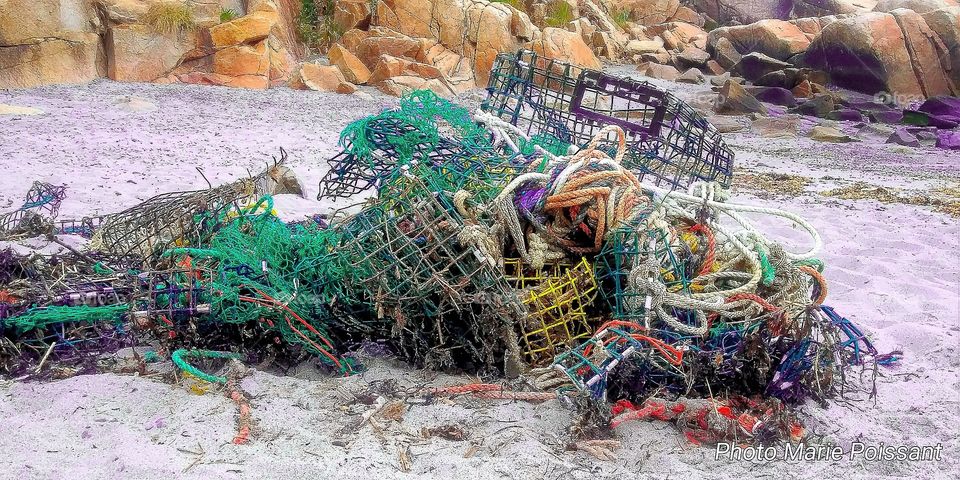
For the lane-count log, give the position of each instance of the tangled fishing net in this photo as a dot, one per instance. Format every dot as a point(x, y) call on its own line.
point(575, 231)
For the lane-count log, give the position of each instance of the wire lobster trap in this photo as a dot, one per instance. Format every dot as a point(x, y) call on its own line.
point(168, 219)
point(42, 203)
point(669, 143)
point(632, 250)
point(410, 248)
point(521, 275)
point(557, 313)
point(587, 366)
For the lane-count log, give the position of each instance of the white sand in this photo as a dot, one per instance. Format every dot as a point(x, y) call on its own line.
point(892, 269)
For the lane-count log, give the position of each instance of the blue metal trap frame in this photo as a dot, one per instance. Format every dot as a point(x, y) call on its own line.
point(669, 143)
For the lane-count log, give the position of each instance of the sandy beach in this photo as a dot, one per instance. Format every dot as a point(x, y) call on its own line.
point(892, 268)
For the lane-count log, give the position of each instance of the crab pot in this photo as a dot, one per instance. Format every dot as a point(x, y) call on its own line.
point(557, 313)
point(669, 143)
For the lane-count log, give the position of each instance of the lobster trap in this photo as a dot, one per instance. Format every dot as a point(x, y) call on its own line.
point(632, 251)
point(668, 142)
point(557, 313)
point(168, 219)
point(411, 248)
point(588, 365)
point(42, 203)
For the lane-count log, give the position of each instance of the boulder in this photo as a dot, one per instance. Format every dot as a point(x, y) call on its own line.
point(719, 80)
point(725, 124)
point(645, 12)
point(67, 59)
point(945, 23)
point(727, 12)
point(46, 42)
point(923, 119)
point(257, 82)
point(682, 33)
point(492, 28)
point(827, 134)
point(640, 47)
point(250, 28)
point(386, 42)
point(948, 140)
point(351, 39)
point(945, 108)
point(819, 106)
point(455, 68)
point(389, 67)
point(240, 60)
point(662, 72)
point(692, 57)
point(282, 63)
point(820, 8)
point(688, 15)
point(875, 132)
point(714, 68)
point(659, 57)
point(802, 89)
point(401, 85)
point(774, 95)
point(786, 78)
point(754, 65)
point(693, 75)
point(891, 117)
point(782, 126)
point(409, 17)
point(925, 50)
point(350, 14)
point(725, 53)
point(881, 52)
point(350, 66)
point(919, 6)
point(774, 38)
point(605, 45)
point(845, 115)
point(138, 53)
point(324, 78)
point(563, 45)
point(734, 100)
point(902, 137)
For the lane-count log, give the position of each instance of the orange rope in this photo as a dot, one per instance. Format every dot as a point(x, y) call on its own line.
point(820, 280)
point(243, 423)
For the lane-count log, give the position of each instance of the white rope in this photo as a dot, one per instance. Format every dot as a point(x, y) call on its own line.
point(733, 210)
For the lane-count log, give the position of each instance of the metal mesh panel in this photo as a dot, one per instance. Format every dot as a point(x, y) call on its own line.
point(669, 143)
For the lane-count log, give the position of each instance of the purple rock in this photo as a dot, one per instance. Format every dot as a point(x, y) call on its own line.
point(887, 116)
point(774, 95)
point(916, 117)
point(944, 108)
point(867, 105)
point(949, 140)
point(903, 137)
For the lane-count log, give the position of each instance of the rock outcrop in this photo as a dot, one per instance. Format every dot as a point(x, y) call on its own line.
point(49, 41)
point(884, 52)
point(775, 38)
